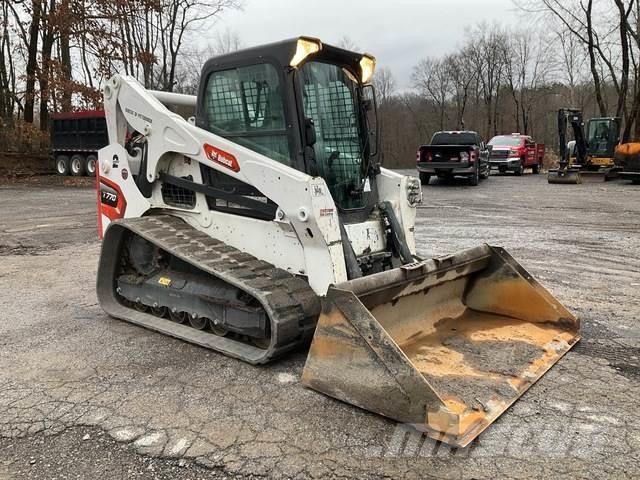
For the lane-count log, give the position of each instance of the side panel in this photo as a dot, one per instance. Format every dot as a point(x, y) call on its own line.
point(113, 176)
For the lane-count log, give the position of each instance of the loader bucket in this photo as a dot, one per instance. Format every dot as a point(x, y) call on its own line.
point(564, 176)
point(446, 344)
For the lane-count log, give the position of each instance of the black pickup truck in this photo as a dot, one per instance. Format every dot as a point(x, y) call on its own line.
point(454, 153)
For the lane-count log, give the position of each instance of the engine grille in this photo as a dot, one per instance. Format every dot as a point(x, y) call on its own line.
point(499, 154)
point(178, 196)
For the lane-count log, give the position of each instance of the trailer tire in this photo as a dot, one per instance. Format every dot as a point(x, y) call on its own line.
point(424, 178)
point(62, 165)
point(76, 165)
point(90, 165)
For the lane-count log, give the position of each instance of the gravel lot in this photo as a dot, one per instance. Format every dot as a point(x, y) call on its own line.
point(86, 396)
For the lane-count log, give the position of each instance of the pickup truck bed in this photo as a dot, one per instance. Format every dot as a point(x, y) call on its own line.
point(467, 160)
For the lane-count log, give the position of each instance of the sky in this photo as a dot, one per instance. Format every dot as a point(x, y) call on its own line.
point(397, 32)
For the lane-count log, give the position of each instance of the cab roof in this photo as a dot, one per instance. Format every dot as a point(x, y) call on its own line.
point(281, 53)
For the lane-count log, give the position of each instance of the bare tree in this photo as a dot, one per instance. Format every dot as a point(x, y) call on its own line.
point(431, 78)
point(348, 44)
point(384, 83)
point(462, 80)
point(486, 55)
point(191, 60)
point(525, 70)
point(226, 41)
point(571, 62)
point(605, 32)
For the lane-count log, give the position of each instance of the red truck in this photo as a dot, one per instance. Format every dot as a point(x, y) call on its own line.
point(516, 152)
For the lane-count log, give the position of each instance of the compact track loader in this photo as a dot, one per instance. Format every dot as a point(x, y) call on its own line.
point(264, 222)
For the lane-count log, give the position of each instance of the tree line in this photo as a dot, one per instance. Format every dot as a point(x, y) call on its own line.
point(568, 53)
point(55, 54)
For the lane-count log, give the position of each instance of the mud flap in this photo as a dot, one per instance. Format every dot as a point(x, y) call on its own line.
point(447, 344)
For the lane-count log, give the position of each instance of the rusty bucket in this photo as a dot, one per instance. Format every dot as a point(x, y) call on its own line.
point(446, 344)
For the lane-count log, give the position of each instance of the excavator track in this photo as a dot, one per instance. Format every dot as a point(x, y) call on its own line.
point(291, 306)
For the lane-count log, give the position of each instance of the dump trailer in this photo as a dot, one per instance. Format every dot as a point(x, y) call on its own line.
point(264, 222)
point(76, 138)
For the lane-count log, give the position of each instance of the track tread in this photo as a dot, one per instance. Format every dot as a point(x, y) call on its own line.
point(292, 306)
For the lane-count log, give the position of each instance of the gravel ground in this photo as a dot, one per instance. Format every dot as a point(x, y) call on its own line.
point(86, 396)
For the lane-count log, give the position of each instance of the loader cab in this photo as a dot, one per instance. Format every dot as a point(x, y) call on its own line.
point(602, 136)
point(302, 103)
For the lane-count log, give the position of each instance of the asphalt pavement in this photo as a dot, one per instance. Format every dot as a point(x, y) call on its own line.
point(86, 396)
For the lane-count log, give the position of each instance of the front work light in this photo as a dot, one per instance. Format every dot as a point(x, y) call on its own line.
point(305, 47)
point(367, 66)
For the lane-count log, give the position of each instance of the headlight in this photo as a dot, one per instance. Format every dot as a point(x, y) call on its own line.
point(367, 66)
point(513, 152)
point(305, 47)
point(414, 191)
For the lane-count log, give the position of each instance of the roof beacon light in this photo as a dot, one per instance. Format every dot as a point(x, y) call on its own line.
point(305, 47)
point(368, 66)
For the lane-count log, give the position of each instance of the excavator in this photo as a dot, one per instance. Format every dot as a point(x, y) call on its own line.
point(588, 157)
point(260, 221)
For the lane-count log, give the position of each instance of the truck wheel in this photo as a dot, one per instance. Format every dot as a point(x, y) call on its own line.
point(76, 165)
point(519, 169)
point(424, 178)
point(62, 165)
point(474, 179)
point(90, 165)
point(536, 168)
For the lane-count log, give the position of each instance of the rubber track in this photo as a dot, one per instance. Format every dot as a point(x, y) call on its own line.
point(292, 306)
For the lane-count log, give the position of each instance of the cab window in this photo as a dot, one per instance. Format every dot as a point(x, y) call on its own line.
point(245, 105)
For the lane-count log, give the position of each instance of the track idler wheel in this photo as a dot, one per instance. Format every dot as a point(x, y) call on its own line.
point(216, 327)
point(159, 311)
point(141, 307)
point(199, 323)
point(178, 317)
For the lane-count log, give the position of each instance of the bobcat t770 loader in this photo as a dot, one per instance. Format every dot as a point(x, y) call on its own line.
point(264, 221)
